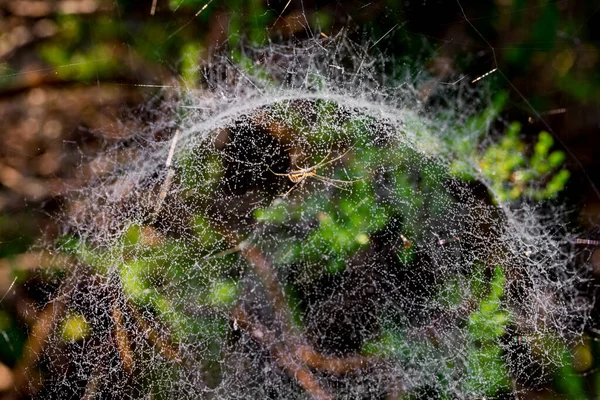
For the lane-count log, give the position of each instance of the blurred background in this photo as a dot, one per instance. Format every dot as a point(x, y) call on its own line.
point(78, 74)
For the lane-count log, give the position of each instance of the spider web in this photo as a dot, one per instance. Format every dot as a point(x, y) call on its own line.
point(193, 272)
point(196, 278)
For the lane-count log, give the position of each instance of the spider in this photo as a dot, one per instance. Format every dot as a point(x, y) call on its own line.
point(299, 175)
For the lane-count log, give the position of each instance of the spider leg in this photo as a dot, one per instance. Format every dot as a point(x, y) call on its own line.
point(318, 165)
point(324, 159)
point(329, 182)
point(325, 178)
point(292, 188)
point(324, 163)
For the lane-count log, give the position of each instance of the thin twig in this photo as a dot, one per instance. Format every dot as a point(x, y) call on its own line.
point(280, 14)
point(204, 7)
point(170, 174)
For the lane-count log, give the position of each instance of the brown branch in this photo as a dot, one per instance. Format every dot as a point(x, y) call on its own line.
point(280, 350)
point(298, 371)
point(334, 365)
point(290, 352)
point(154, 338)
point(305, 353)
point(45, 324)
point(121, 340)
point(282, 355)
point(264, 269)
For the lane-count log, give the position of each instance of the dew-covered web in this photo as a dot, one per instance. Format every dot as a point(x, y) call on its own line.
point(308, 232)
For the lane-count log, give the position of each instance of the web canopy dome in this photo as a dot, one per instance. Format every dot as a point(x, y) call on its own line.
point(309, 231)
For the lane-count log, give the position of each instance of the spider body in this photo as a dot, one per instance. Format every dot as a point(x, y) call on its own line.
point(298, 176)
point(302, 174)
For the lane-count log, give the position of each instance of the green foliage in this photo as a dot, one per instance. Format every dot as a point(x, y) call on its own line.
point(513, 175)
point(16, 233)
point(190, 56)
point(512, 170)
point(12, 339)
point(489, 322)
point(343, 228)
point(156, 276)
point(223, 293)
point(568, 381)
point(95, 258)
point(75, 328)
point(73, 61)
point(486, 326)
point(485, 369)
point(391, 343)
